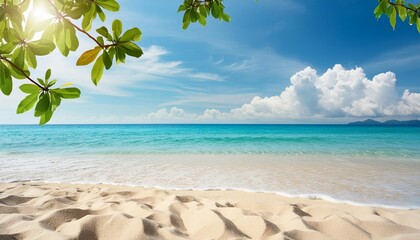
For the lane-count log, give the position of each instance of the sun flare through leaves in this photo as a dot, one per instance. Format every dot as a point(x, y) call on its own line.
point(33, 28)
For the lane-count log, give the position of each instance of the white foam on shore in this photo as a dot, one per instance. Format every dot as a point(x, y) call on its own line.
point(362, 181)
point(310, 196)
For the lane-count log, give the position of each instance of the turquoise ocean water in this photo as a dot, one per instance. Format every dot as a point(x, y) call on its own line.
point(362, 164)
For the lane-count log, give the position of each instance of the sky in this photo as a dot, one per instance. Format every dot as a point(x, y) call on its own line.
point(289, 61)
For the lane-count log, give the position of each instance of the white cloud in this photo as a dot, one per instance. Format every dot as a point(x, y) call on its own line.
point(207, 77)
point(338, 93)
point(403, 57)
point(261, 61)
point(223, 100)
point(173, 115)
point(152, 66)
point(241, 65)
point(119, 80)
point(334, 96)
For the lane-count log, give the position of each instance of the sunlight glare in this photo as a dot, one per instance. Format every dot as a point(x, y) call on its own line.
point(39, 12)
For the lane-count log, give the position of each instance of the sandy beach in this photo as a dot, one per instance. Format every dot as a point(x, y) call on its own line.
point(75, 211)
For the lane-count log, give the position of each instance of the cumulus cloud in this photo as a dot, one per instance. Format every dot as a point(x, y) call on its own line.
point(173, 115)
point(337, 93)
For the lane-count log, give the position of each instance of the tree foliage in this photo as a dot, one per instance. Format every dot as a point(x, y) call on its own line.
point(24, 37)
point(404, 10)
point(198, 11)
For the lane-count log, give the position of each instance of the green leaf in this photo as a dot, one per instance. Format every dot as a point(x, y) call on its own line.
point(42, 105)
point(71, 39)
point(418, 24)
point(55, 101)
point(110, 5)
point(185, 25)
point(194, 15)
point(202, 20)
point(393, 17)
point(88, 56)
point(12, 36)
point(2, 27)
point(78, 11)
point(117, 28)
point(413, 19)
point(67, 93)
point(88, 18)
point(61, 43)
point(46, 117)
point(49, 32)
point(133, 34)
point(215, 11)
point(18, 74)
point(14, 14)
point(107, 60)
point(97, 71)
point(100, 39)
point(120, 54)
point(42, 82)
point(41, 47)
point(6, 84)
point(27, 103)
point(384, 6)
point(187, 16)
point(101, 13)
point(50, 84)
point(30, 58)
point(380, 9)
point(402, 12)
point(111, 53)
point(18, 57)
point(7, 48)
point(225, 17)
point(203, 11)
point(182, 8)
point(104, 32)
point(132, 49)
point(29, 88)
point(48, 74)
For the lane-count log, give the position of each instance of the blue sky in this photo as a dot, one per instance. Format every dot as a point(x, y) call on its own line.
point(241, 71)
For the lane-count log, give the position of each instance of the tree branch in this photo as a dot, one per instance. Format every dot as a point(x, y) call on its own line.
point(404, 6)
point(74, 25)
point(23, 72)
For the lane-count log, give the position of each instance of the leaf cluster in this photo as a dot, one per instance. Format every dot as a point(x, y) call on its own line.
point(199, 10)
point(402, 9)
point(119, 46)
point(45, 101)
point(24, 38)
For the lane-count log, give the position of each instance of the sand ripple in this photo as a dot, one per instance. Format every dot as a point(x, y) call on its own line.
point(68, 211)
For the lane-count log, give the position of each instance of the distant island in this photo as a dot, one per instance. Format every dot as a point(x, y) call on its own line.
point(371, 122)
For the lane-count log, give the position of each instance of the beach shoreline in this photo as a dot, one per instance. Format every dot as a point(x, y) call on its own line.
point(374, 181)
point(35, 210)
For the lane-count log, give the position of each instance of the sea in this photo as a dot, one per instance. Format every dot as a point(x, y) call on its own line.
point(362, 165)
